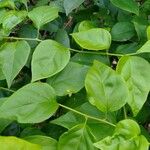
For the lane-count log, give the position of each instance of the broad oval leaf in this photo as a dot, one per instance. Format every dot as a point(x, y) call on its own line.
point(42, 15)
point(106, 89)
point(13, 57)
point(48, 59)
point(122, 31)
point(33, 103)
point(70, 80)
point(70, 5)
point(135, 71)
point(14, 143)
point(46, 142)
point(77, 138)
point(93, 39)
point(128, 5)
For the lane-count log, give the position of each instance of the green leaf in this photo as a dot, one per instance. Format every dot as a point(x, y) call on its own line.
point(12, 18)
point(42, 15)
point(122, 31)
point(77, 138)
point(140, 24)
point(87, 59)
point(31, 131)
point(98, 129)
point(93, 39)
point(128, 5)
point(85, 25)
point(62, 37)
point(23, 1)
point(58, 4)
point(70, 5)
point(4, 123)
point(7, 3)
point(106, 89)
point(48, 59)
point(47, 143)
point(29, 31)
point(126, 137)
point(137, 79)
point(33, 103)
point(127, 48)
point(70, 80)
point(148, 32)
point(119, 143)
point(14, 56)
point(127, 128)
point(2, 77)
point(145, 48)
point(2, 14)
point(14, 143)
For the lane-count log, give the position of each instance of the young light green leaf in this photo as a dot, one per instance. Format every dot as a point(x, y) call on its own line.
point(122, 31)
point(77, 138)
point(106, 89)
point(85, 25)
point(126, 137)
point(14, 143)
point(46, 142)
point(33, 103)
point(14, 56)
point(48, 59)
point(127, 128)
point(145, 48)
point(93, 39)
point(7, 3)
point(70, 80)
point(12, 18)
point(42, 15)
point(128, 5)
point(70, 5)
point(137, 79)
point(148, 32)
point(119, 143)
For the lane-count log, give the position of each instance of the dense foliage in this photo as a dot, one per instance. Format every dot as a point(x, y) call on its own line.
point(74, 74)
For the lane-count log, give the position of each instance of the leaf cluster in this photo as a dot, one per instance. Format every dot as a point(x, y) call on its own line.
point(74, 74)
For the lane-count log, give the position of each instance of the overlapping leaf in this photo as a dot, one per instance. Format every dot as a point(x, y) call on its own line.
point(13, 57)
point(33, 103)
point(48, 59)
point(135, 71)
point(106, 89)
point(70, 80)
point(42, 15)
